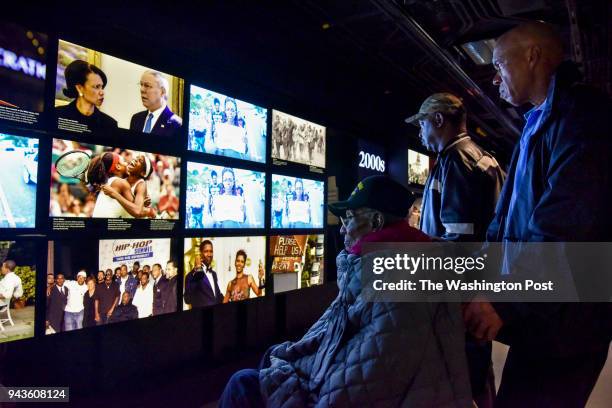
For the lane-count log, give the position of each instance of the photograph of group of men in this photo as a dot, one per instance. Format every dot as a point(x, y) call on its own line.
point(296, 202)
point(222, 270)
point(222, 125)
point(17, 289)
point(118, 183)
point(418, 167)
point(297, 140)
point(135, 279)
point(224, 197)
point(96, 92)
point(23, 67)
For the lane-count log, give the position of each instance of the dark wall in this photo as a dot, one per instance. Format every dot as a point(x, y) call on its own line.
point(228, 52)
point(103, 359)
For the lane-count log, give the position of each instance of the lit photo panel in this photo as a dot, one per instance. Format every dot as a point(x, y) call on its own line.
point(96, 92)
point(115, 183)
point(297, 140)
point(296, 202)
point(225, 126)
point(418, 167)
point(17, 290)
point(94, 283)
point(297, 261)
point(23, 67)
point(19, 165)
point(223, 270)
point(224, 197)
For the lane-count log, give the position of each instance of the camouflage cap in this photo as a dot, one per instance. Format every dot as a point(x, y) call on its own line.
point(443, 102)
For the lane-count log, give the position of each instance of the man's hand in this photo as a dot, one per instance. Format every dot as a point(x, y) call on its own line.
point(481, 319)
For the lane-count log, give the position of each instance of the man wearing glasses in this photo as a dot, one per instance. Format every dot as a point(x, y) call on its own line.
point(365, 353)
point(558, 190)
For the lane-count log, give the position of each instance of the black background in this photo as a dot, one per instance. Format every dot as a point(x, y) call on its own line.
point(209, 343)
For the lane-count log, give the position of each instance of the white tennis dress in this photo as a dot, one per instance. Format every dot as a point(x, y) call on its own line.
point(108, 207)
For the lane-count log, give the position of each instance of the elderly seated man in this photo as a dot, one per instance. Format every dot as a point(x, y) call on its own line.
point(360, 353)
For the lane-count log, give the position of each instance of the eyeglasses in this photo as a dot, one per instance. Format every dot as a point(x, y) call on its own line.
point(347, 218)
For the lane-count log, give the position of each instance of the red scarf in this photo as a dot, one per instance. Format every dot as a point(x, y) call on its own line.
point(401, 231)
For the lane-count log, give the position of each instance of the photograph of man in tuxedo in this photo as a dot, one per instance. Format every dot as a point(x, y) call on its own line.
point(56, 303)
point(201, 284)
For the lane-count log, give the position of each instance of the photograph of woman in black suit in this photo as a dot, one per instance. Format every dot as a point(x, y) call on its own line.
point(85, 84)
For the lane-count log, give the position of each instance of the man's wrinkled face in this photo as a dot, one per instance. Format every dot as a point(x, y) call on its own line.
point(355, 224)
point(427, 133)
point(151, 93)
point(513, 77)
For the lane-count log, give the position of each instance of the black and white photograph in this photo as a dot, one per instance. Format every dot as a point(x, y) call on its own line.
point(297, 140)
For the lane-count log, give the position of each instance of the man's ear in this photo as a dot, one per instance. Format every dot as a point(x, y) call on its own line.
point(438, 120)
point(534, 54)
point(377, 221)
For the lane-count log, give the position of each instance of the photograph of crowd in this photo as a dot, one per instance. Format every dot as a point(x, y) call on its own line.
point(19, 156)
point(98, 92)
point(224, 197)
point(135, 279)
point(17, 289)
point(222, 125)
point(414, 214)
point(297, 140)
point(223, 270)
point(418, 167)
point(118, 183)
point(297, 261)
point(23, 67)
point(296, 202)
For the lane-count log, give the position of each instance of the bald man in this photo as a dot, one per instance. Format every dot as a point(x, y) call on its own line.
point(558, 189)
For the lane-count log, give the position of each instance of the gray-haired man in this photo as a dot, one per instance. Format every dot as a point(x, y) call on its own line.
point(157, 119)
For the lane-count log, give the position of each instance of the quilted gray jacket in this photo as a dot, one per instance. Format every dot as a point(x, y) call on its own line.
point(372, 354)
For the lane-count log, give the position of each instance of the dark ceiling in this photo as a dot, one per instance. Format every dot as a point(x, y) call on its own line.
point(357, 66)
